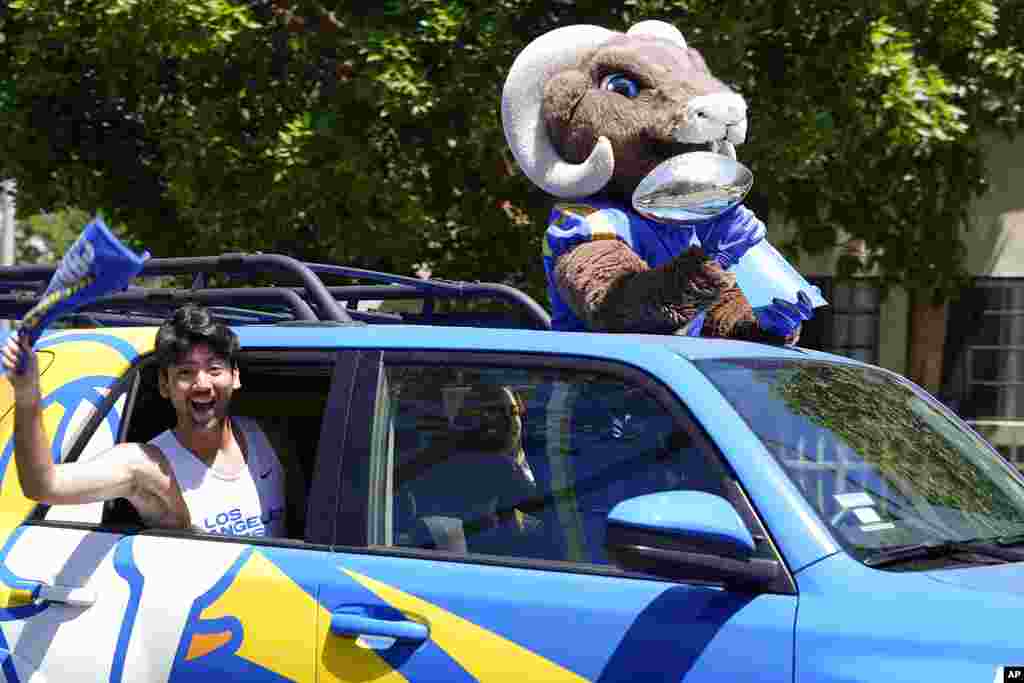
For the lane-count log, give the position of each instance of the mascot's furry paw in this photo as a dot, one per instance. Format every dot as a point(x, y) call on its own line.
point(733, 318)
point(614, 290)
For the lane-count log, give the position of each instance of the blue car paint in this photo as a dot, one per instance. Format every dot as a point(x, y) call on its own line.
point(124, 565)
point(604, 628)
point(1001, 578)
point(356, 620)
point(856, 623)
point(683, 512)
point(10, 671)
point(629, 348)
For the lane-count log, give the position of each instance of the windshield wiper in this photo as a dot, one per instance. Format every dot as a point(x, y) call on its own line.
point(1008, 540)
point(918, 551)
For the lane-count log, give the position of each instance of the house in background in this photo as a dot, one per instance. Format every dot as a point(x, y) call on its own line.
point(983, 358)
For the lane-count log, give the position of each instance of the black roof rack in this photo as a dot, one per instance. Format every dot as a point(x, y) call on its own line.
point(311, 300)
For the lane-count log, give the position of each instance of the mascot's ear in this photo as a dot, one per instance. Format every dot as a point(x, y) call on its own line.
point(658, 29)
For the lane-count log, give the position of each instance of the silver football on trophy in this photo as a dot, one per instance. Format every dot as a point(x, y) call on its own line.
point(692, 187)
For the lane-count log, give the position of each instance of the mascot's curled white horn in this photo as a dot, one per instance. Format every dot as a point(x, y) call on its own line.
point(525, 132)
point(658, 29)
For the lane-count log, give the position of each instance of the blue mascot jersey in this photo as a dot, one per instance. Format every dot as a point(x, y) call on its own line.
point(572, 223)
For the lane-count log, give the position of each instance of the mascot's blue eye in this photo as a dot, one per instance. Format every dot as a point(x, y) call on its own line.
point(621, 84)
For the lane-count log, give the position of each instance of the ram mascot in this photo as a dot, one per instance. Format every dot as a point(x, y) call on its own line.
point(588, 114)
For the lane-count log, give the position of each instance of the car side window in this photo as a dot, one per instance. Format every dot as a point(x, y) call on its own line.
point(520, 462)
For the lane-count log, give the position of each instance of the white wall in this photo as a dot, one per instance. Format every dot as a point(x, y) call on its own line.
point(996, 236)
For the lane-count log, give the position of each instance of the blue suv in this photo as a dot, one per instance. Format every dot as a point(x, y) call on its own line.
point(487, 499)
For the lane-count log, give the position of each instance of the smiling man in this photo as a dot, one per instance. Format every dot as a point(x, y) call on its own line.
point(210, 472)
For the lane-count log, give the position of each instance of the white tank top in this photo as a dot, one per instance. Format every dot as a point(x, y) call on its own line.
point(250, 503)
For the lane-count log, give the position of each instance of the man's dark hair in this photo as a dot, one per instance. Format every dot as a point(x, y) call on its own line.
point(191, 325)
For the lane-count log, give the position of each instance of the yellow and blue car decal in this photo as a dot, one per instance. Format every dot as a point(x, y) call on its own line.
point(257, 622)
point(246, 626)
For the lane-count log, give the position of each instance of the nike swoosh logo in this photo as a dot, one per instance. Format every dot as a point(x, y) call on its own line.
point(265, 474)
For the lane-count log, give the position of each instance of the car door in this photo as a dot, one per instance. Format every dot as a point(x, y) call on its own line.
point(471, 531)
point(91, 599)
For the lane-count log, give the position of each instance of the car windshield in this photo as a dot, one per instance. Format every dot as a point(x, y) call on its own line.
point(882, 463)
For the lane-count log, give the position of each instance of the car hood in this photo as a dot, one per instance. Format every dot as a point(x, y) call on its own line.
point(944, 624)
point(1000, 578)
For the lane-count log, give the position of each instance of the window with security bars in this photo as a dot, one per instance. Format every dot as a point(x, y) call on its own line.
point(849, 325)
point(984, 362)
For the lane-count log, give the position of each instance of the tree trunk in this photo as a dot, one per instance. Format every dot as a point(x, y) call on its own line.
point(927, 341)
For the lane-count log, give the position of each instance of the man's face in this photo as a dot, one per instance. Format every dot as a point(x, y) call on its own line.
point(199, 386)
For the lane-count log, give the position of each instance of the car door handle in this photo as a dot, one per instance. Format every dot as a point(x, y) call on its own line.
point(354, 623)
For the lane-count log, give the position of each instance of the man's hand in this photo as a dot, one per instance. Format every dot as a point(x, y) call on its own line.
point(728, 237)
point(783, 318)
point(22, 368)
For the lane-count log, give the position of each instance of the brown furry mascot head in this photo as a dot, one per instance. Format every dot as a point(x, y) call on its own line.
point(587, 109)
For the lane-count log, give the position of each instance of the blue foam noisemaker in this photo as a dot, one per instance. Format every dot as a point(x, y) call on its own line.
point(97, 264)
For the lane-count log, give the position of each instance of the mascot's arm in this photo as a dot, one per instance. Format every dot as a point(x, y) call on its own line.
point(731, 316)
point(613, 290)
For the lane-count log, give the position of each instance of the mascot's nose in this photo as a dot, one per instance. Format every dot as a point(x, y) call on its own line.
point(714, 117)
point(725, 108)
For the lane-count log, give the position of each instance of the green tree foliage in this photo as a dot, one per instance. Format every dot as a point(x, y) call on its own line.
point(45, 237)
point(369, 133)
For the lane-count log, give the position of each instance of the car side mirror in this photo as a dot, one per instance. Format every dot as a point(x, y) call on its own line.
point(689, 536)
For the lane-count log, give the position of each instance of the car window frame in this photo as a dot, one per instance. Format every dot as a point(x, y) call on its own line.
point(361, 435)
